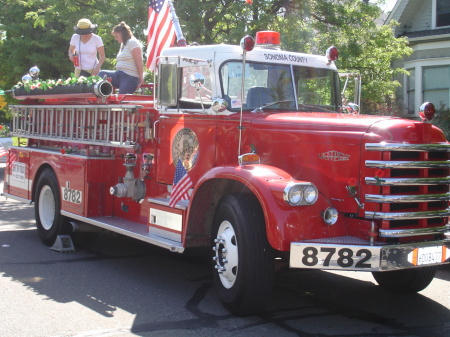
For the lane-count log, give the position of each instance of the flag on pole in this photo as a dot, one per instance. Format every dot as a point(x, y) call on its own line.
point(3, 152)
point(181, 185)
point(160, 30)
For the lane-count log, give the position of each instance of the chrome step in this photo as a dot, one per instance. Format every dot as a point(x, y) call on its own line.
point(128, 228)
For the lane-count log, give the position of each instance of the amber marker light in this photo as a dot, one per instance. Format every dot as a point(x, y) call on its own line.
point(249, 158)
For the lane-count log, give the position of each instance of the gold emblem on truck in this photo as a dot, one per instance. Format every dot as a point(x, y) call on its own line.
point(334, 156)
point(185, 148)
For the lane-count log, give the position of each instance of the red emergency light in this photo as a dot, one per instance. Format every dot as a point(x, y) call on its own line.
point(427, 111)
point(268, 39)
point(332, 54)
point(247, 43)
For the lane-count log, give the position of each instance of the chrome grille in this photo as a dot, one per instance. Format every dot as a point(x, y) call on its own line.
point(407, 188)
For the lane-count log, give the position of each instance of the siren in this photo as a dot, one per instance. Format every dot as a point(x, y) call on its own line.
point(268, 39)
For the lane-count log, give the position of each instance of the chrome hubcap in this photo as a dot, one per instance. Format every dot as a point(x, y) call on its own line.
point(226, 254)
point(46, 207)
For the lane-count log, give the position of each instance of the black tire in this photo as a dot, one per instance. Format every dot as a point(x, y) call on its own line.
point(47, 209)
point(243, 274)
point(406, 280)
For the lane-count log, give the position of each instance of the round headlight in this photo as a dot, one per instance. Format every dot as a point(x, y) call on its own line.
point(293, 194)
point(330, 216)
point(310, 194)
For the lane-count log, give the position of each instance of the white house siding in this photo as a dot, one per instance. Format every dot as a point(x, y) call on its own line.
point(431, 52)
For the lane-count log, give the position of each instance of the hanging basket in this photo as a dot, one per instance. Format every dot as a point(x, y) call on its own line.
point(101, 88)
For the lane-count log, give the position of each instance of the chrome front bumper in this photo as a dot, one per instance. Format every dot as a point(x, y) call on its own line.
point(346, 253)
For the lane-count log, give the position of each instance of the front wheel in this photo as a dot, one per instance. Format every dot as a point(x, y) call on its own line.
point(406, 280)
point(49, 221)
point(243, 260)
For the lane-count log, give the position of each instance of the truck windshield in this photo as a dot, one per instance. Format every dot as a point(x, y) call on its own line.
point(279, 87)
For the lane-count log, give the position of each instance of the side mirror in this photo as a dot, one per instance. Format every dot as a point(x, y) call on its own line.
point(168, 84)
point(197, 80)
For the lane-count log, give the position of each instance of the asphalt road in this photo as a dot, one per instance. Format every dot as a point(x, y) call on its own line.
point(120, 287)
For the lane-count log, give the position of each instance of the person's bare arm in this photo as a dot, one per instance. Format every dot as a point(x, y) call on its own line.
point(101, 59)
point(137, 55)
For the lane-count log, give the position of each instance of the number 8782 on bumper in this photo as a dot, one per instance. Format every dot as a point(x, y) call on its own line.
point(335, 257)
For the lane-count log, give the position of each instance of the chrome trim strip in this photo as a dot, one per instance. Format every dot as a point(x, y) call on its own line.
point(69, 140)
point(399, 233)
point(407, 164)
point(407, 147)
point(58, 153)
point(407, 181)
point(407, 215)
point(407, 198)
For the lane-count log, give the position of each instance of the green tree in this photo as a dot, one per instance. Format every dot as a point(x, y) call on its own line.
point(364, 47)
point(37, 32)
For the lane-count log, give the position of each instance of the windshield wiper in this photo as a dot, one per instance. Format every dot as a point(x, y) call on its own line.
point(261, 108)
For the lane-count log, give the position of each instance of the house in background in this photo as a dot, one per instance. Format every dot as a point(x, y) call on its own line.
point(426, 24)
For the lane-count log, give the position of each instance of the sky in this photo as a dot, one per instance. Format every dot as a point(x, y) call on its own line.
point(387, 7)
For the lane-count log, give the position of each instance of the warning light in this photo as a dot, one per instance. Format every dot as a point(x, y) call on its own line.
point(427, 112)
point(332, 54)
point(268, 39)
point(247, 43)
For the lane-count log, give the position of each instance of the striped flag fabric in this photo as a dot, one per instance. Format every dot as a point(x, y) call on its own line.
point(3, 152)
point(160, 30)
point(181, 185)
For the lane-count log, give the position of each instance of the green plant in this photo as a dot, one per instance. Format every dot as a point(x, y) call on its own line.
point(49, 84)
point(4, 130)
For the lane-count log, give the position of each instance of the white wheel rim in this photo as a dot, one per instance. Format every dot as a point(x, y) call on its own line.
point(226, 256)
point(46, 207)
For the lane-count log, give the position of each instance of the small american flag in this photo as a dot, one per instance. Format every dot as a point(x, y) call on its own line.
point(161, 33)
point(181, 185)
point(3, 152)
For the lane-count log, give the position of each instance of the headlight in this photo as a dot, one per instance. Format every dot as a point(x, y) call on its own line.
point(310, 194)
point(296, 194)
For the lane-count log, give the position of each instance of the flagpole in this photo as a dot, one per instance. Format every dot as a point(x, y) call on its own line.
point(181, 41)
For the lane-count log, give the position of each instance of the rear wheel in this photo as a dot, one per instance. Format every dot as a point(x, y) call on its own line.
point(49, 221)
point(243, 260)
point(406, 280)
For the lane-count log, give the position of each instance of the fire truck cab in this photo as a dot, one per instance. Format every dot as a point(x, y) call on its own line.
point(246, 150)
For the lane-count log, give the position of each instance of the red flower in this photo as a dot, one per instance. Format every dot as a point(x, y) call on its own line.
point(379, 173)
point(248, 2)
point(352, 181)
point(63, 151)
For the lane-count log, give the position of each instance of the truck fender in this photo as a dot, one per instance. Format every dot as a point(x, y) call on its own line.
point(265, 182)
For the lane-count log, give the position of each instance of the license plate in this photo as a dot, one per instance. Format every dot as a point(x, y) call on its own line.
point(324, 256)
point(428, 255)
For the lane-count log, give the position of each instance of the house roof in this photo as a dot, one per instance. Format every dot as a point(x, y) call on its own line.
point(415, 18)
point(426, 33)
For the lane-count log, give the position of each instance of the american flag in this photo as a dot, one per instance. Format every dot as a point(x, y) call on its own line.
point(3, 152)
point(181, 185)
point(161, 33)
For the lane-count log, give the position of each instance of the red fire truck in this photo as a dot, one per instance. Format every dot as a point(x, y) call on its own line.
point(246, 150)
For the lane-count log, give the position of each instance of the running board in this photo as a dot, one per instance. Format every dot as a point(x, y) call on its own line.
point(128, 228)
